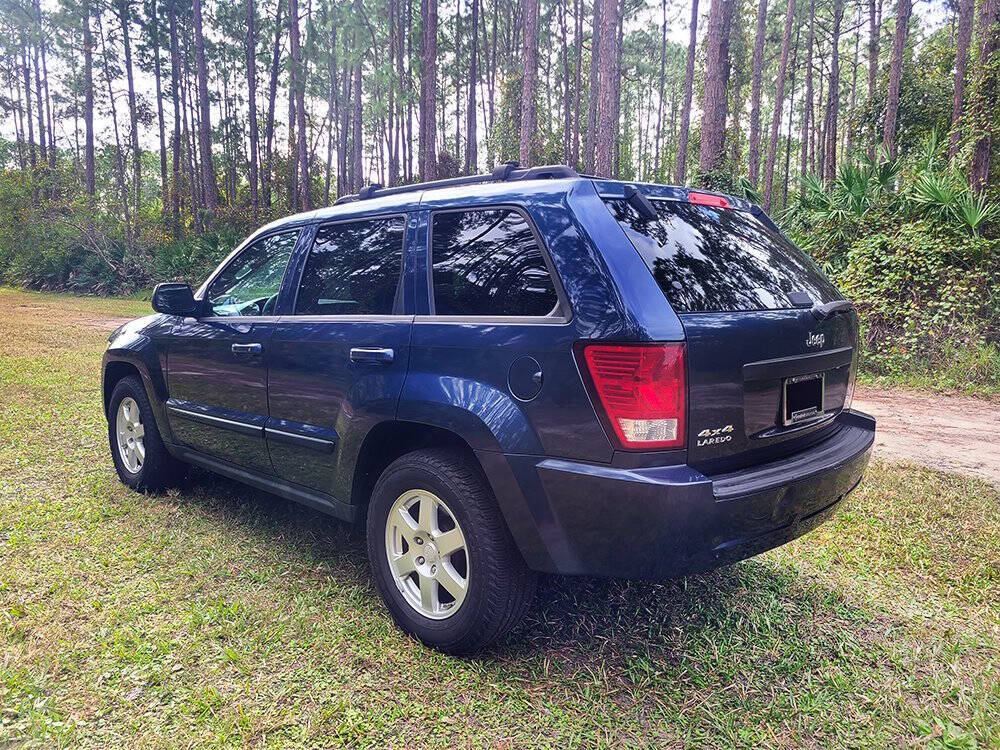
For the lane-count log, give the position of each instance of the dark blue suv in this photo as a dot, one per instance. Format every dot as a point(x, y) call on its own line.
point(529, 371)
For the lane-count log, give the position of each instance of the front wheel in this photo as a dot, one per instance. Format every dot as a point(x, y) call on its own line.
point(443, 559)
point(141, 459)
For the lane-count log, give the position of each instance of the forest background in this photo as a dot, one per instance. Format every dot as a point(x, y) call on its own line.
point(140, 140)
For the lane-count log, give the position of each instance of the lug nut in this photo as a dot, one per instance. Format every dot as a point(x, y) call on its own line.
point(418, 540)
point(420, 561)
point(434, 569)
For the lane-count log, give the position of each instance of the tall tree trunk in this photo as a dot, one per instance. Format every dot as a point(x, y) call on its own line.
point(986, 90)
point(251, 58)
point(124, 13)
point(32, 157)
point(903, 8)
point(392, 126)
point(681, 173)
point(714, 100)
point(807, 106)
point(409, 94)
point(779, 98)
point(567, 94)
point(50, 126)
point(175, 84)
point(267, 176)
point(848, 140)
point(577, 80)
point(874, 29)
point(616, 82)
point(529, 113)
point(210, 189)
point(119, 152)
point(15, 99)
point(88, 102)
point(458, 84)
point(428, 90)
point(346, 79)
point(595, 69)
point(471, 136)
point(966, 11)
point(661, 83)
point(191, 147)
point(833, 97)
point(154, 20)
point(292, 184)
point(331, 105)
point(604, 132)
point(791, 108)
point(755, 87)
point(873, 32)
point(357, 139)
point(298, 91)
point(43, 142)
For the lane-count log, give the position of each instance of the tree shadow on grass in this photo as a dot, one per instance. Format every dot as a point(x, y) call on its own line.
point(759, 605)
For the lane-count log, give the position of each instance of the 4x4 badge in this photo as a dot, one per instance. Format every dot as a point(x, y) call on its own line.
point(712, 436)
point(815, 339)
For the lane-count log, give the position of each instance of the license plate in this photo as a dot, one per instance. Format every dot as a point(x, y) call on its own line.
point(802, 398)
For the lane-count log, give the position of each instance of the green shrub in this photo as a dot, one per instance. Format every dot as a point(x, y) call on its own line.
point(927, 297)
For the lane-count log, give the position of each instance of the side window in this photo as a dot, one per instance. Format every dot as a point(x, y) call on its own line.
point(249, 284)
point(487, 262)
point(353, 268)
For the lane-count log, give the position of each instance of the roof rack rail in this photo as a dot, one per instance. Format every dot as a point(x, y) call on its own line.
point(507, 172)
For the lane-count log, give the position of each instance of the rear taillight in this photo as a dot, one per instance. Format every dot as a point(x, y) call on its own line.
point(642, 390)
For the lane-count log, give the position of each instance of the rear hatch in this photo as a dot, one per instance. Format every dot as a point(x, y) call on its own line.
point(770, 341)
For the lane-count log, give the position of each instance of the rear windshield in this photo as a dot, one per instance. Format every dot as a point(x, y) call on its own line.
point(707, 259)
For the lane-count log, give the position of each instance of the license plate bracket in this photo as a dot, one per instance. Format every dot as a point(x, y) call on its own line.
point(802, 398)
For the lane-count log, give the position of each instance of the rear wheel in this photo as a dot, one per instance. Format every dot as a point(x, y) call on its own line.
point(141, 459)
point(444, 561)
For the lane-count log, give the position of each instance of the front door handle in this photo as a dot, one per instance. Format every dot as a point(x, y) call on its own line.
point(247, 348)
point(371, 354)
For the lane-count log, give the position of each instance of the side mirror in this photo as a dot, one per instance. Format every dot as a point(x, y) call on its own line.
point(174, 298)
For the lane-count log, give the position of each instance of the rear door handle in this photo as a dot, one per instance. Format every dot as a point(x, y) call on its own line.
point(371, 354)
point(247, 348)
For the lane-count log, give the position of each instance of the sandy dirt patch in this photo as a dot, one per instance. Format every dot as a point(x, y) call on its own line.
point(951, 433)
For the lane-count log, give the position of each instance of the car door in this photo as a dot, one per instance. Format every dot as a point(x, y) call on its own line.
point(336, 365)
point(216, 373)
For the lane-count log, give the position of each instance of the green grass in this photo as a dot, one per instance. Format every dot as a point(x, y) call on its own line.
point(218, 616)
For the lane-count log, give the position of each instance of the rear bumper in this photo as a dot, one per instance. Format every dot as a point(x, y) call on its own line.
point(575, 518)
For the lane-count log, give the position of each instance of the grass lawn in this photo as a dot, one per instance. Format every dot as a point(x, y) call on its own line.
point(216, 615)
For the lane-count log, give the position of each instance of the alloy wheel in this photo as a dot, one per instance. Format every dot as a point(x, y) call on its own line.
point(427, 554)
point(130, 432)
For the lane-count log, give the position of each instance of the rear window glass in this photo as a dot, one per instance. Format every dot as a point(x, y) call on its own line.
point(707, 259)
point(488, 262)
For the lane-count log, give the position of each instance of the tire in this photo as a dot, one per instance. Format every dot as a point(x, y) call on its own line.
point(153, 470)
point(499, 587)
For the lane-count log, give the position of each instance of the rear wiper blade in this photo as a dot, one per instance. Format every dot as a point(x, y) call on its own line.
point(822, 312)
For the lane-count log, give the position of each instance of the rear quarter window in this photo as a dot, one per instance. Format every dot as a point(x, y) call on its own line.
point(487, 262)
point(707, 259)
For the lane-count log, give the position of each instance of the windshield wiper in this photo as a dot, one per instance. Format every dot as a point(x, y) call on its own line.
point(822, 312)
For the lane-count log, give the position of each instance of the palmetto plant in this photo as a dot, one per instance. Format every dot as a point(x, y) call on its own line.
point(948, 198)
point(922, 189)
point(973, 210)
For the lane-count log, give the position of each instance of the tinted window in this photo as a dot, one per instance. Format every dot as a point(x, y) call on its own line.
point(353, 269)
point(711, 259)
point(488, 262)
point(249, 284)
